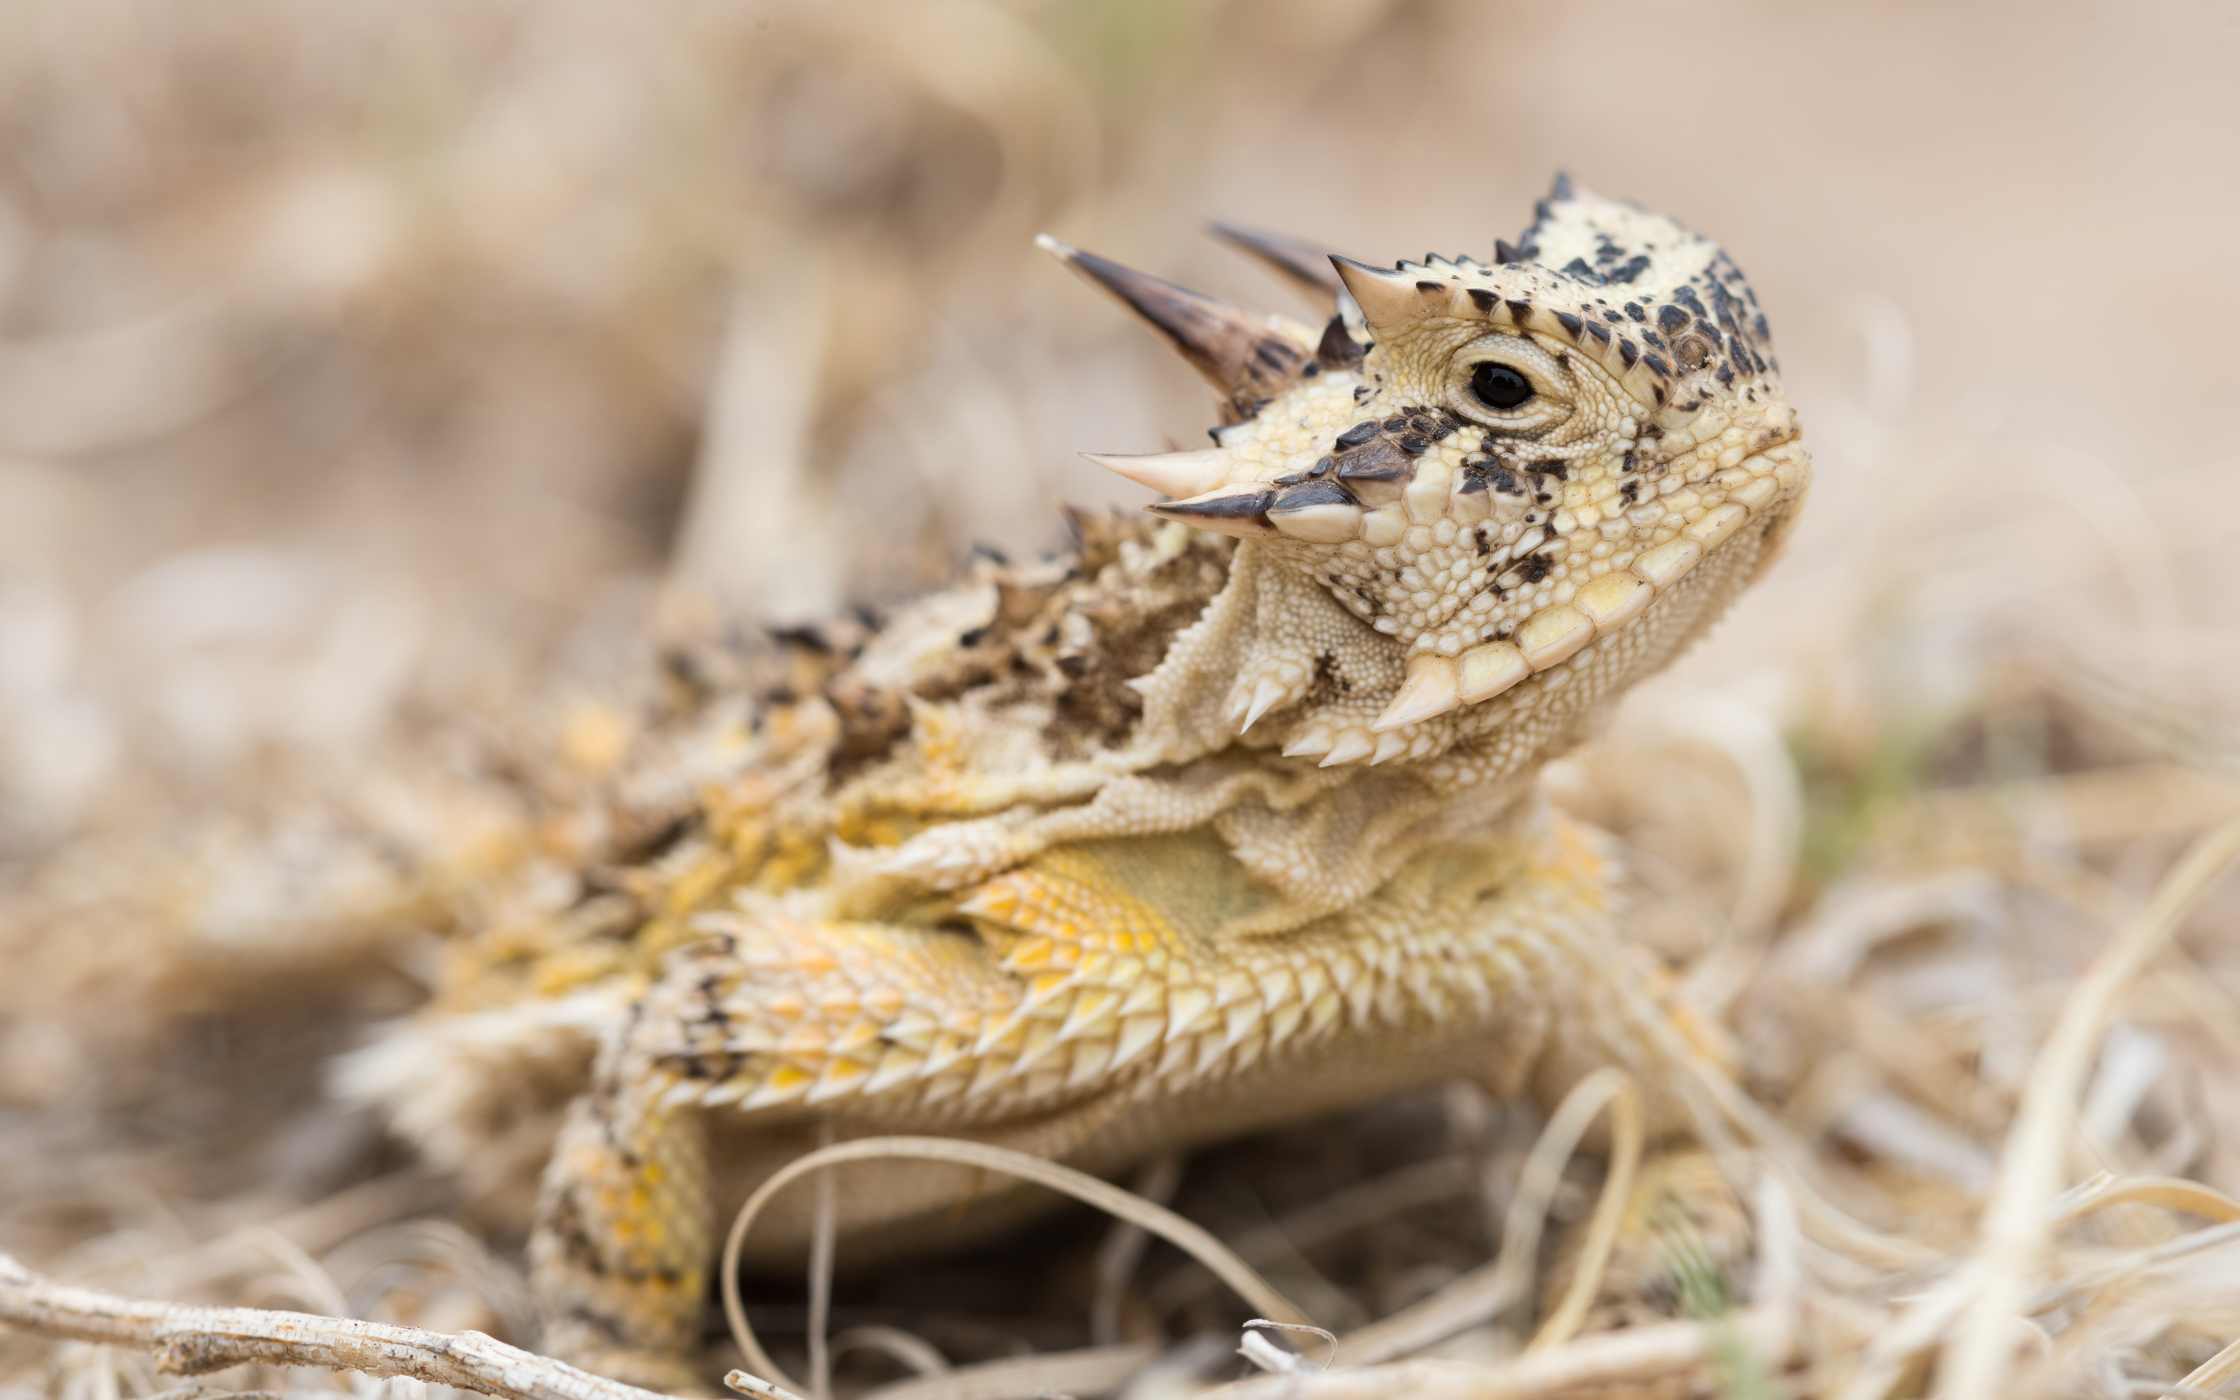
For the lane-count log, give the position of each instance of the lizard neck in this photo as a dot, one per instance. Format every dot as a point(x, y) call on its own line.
point(1276, 667)
point(1276, 671)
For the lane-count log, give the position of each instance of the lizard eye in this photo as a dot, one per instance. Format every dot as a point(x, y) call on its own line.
point(1496, 385)
point(1509, 384)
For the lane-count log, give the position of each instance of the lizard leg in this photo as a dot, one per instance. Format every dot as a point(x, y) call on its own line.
point(1091, 1006)
point(753, 1044)
point(619, 1256)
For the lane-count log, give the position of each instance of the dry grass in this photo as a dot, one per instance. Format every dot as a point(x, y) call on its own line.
point(363, 370)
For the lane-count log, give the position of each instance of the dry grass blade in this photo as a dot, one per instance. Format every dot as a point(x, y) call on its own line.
point(2168, 1192)
point(2217, 1369)
point(2135, 1263)
point(1605, 1359)
point(2015, 1230)
point(1090, 1370)
point(1257, 1342)
point(1113, 1200)
point(1485, 1293)
point(1766, 1333)
point(821, 1246)
point(905, 1348)
point(1123, 1248)
point(1780, 1283)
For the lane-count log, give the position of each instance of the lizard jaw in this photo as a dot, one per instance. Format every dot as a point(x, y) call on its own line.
point(1437, 684)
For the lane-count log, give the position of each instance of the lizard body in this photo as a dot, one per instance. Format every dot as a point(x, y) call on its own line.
point(1227, 819)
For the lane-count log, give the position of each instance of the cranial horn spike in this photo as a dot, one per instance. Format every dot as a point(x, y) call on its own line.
point(1388, 298)
point(1168, 473)
point(1297, 261)
point(1242, 355)
point(1239, 511)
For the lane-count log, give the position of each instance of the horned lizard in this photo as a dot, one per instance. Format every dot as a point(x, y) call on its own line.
point(1226, 819)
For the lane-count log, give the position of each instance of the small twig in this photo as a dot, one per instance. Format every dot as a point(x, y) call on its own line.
point(194, 1341)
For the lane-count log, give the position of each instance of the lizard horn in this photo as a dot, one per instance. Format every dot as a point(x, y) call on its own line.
point(1168, 473)
point(1242, 355)
point(1295, 260)
point(1229, 510)
point(1388, 298)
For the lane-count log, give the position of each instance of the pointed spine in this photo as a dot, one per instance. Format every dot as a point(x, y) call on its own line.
point(1247, 357)
point(1295, 260)
point(1243, 513)
point(1168, 473)
point(1388, 298)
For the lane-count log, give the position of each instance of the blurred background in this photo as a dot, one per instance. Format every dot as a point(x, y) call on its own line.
point(346, 347)
point(370, 373)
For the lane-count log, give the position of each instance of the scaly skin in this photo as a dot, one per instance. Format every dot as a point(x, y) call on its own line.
point(1226, 821)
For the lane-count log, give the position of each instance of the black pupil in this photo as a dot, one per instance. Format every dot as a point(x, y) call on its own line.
point(1498, 386)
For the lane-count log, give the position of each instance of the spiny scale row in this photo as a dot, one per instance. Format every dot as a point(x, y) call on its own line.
point(1072, 1030)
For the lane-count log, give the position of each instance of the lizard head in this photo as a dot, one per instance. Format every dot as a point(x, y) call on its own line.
point(1544, 471)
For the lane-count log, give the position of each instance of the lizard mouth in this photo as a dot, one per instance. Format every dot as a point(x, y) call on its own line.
point(1753, 488)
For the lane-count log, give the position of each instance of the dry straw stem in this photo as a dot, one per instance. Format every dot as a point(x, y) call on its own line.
point(194, 1341)
point(1607, 1358)
point(2015, 1231)
point(1090, 1370)
point(1485, 1293)
point(2217, 1369)
point(1181, 1233)
point(1469, 1301)
point(1767, 1333)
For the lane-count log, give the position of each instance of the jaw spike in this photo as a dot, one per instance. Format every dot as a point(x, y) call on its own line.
point(1242, 355)
point(1239, 511)
point(1388, 298)
point(1168, 473)
point(1297, 261)
point(1433, 687)
point(1351, 746)
point(1265, 697)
